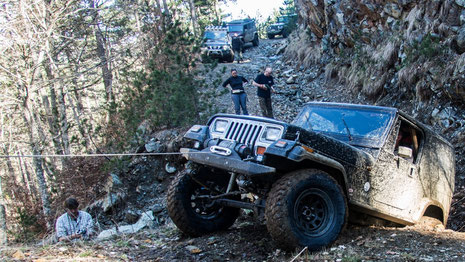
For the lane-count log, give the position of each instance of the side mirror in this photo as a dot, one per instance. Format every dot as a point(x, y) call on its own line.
point(405, 152)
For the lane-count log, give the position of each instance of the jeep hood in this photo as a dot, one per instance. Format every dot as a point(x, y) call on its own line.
point(216, 42)
point(331, 147)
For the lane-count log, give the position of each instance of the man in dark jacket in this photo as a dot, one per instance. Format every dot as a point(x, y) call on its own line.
point(237, 46)
point(238, 95)
point(264, 83)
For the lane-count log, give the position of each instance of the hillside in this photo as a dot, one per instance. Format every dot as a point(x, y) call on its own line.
point(143, 186)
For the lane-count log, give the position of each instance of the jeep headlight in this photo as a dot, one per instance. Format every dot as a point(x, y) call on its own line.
point(220, 126)
point(280, 27)
point(272, 133)
point(225, 47)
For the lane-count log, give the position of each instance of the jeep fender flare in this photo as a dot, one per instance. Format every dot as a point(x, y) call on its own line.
point(301, 153)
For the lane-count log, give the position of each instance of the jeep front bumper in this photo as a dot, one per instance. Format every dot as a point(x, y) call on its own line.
point(274, 31)
point(228, 163)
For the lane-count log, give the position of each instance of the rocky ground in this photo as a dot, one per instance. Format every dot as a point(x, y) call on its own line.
point(247, 239)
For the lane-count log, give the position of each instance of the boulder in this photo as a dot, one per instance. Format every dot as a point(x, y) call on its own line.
point(153, 146)
point(146, 220)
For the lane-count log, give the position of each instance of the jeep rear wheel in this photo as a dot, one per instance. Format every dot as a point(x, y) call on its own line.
point(306, 208)
point(190, 209)
point(255, 40)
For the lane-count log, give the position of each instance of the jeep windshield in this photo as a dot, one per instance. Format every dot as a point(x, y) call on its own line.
point(215, 35)
point(359, 126)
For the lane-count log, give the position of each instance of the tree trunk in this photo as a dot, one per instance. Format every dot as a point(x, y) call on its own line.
point(166, 10)
point(29, 119)
point(3, 229)
point(78, 108)
point(64, 122)
point(102, 54)
point(51, 109)
point(193, 16)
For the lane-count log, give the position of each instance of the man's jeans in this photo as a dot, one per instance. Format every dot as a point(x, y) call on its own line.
point(238, 55)
point(265, 105)
point(240, 101)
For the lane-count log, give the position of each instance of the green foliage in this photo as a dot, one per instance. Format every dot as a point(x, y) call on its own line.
point(165, 93)
point(351, 259)
point(28, 224)
point(289, 7)
point(427, 48)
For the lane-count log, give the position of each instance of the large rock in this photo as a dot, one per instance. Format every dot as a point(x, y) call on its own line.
point(153, 146)
point(393, 10)
point(146, 220)
point(459, 41)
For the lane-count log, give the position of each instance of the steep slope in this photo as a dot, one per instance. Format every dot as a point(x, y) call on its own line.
point(408, 54)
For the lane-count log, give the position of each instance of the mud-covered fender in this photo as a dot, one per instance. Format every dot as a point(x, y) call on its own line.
point(297, 152)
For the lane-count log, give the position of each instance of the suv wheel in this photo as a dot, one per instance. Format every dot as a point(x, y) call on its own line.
point(255, 40)
point(196, 215)
point(306, 208)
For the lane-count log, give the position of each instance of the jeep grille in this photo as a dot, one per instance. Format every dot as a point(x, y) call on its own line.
point(244, 131)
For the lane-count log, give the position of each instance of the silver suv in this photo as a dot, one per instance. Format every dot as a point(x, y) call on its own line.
point(217, 44)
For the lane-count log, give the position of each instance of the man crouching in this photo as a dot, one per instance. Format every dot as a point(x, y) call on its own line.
point(74, 224)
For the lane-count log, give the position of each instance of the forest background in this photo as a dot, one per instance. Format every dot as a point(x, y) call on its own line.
point(84, 77)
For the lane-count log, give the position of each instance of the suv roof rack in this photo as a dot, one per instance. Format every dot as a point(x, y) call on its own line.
point(216, 28)
point(241, 21)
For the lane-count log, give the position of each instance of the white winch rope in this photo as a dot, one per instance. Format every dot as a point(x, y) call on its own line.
point(101, 155)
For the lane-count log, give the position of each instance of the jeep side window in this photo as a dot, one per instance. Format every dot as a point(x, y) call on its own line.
point(408, 141)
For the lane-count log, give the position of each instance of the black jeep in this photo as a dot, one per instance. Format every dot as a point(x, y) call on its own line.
point(335, 162)
point(284, 26)
point(244, 29)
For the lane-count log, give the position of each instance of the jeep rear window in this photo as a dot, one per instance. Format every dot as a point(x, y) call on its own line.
point(235, 28)
point(366, 127)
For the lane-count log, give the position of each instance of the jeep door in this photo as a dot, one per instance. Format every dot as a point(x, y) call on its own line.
point(248, 33)
point(396, 189)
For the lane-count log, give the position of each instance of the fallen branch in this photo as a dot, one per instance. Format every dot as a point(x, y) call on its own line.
point(298, 255)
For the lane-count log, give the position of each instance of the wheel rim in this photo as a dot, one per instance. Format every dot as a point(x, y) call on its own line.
point(313, 212)
point(203, 206)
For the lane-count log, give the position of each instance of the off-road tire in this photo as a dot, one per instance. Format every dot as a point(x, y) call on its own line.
point(270, 36)
point(429, 224)
point(255, 40)
point(285, 34)
point(230, 59)
point(187, 217)
point(306, 208)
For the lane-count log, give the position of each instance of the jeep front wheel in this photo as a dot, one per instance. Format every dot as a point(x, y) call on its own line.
point(306, 208)
point(190, 208)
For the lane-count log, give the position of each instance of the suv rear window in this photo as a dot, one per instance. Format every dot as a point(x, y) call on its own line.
point(235, 28)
